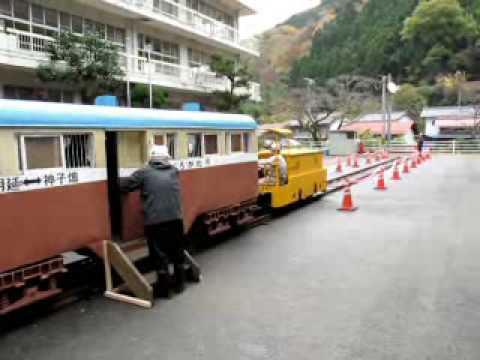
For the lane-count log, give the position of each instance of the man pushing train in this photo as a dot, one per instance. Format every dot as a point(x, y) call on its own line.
point(159, 185)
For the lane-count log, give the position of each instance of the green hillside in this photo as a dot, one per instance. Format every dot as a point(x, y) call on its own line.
point(415, 40)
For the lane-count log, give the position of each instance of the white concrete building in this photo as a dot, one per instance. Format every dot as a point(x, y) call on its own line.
point(182, 36)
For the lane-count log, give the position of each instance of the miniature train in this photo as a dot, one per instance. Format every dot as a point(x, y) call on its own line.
point(59, 171)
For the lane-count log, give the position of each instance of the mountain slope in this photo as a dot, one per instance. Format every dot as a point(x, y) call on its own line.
point(366, 42)
point(287, 42)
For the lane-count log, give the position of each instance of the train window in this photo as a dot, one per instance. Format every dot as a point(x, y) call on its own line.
point(211, 144)
point(42, 152)
point(236, 142)
point(170, 140)
point(77, 150)
point(57, 151)
point(246, 142)
point(194, 145)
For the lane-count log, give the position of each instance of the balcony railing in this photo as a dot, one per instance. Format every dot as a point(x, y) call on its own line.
point(184, 15)
point(138, 67)
point(31, 42)
point(18, 44)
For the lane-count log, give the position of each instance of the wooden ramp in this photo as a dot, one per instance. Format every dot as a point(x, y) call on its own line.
point(136, 288)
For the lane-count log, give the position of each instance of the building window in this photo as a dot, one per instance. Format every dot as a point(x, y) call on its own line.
point(20, 10)
point(168, 8)
point(161, 50)
point(65, 22)
point(197, 58)
point(56, 151)
point(194, 145)
point(5, 7)
point(38, 16)
point(40, 94)
point(77, 24)
point(211, 144)
point(51, 18)
point(210, 11)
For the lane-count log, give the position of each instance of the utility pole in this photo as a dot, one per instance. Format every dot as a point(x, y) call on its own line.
point(148, 48)
point(387, 108)
point(384, 105)
point(389, 112)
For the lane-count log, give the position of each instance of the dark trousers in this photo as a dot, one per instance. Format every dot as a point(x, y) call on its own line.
point(166, 244)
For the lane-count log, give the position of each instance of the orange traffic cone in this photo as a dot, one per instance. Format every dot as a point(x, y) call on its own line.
point(339, 165)
point(396, 173)
point(381, 182)
point(414, 163)
point(406, 169)
point(347, 203)
point(355, 162)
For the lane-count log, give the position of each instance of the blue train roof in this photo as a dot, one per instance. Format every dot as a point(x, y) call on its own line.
point(18, 113)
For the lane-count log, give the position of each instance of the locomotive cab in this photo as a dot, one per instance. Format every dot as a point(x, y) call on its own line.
point(303, 174)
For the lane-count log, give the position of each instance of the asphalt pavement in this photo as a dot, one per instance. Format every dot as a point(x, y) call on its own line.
point(399, 279)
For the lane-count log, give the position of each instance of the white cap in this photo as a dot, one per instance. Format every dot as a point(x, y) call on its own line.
point(159, 152)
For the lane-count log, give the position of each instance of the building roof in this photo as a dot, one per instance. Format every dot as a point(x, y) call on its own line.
point(378, 128)
point(240, 6)
point(378, 117)
point(37, 114)
point(337, 115)
point(451, 112)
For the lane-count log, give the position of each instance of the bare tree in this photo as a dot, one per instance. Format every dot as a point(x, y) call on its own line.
point(346, 94)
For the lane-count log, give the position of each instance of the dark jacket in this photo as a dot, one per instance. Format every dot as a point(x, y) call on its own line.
point(160, 190)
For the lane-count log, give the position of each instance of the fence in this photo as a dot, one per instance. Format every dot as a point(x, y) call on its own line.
point(439, 147)
point(454, 146)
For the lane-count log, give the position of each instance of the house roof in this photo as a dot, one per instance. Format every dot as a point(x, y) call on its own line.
point(451, 112)
point(377, 128)
point(378, 117)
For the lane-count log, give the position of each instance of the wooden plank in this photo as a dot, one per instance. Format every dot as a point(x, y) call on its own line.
point(129, 273)
point(108, 269)
point(129, 299)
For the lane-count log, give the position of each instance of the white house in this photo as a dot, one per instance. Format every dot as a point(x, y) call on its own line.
point(179, 35)
point(450, 122)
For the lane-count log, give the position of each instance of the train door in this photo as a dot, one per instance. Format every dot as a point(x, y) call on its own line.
point(125, 153)
point(114, 194)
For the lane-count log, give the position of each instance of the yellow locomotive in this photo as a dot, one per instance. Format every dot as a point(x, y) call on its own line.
point(288, 171)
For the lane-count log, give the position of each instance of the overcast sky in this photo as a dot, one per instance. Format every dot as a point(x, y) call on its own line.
point(271, 13)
